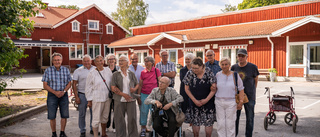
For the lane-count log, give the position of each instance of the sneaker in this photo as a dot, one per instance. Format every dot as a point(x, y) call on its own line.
point(83, 134)
point(190, 129)
point(143, 133)
point(63, 134)
point(54, 135)
point(114, 130)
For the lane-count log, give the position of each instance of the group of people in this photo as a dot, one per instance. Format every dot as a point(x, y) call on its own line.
point(207, 94)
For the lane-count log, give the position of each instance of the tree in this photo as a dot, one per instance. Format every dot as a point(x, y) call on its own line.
point(131, 13)
point(14, 22)
point(247, 4)
point(228, 8)
point(69, 7)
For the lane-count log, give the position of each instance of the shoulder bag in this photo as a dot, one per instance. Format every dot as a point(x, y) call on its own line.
point(245, 98)
point(110, 92)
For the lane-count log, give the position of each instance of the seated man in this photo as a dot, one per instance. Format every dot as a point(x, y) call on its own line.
point(166, 100)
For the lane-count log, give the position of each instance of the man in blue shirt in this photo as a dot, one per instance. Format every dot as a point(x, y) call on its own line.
point(166, 67)
point(212, 63)
point(57, 80)
point(134, 67)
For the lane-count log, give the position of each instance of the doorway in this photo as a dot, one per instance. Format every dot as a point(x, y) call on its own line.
point(45, 57)
point(314, 58)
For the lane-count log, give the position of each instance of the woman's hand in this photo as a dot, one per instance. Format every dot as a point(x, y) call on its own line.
point(159, 105)
point(89, 104)
point(139, 101)
point(239, 106)
point(198, 103)
point(168, 106)
point(127, 97)
point(204, 101)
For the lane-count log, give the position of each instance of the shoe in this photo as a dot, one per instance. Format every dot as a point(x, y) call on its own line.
point(107, 130)
point(91, 132)
point(54, 135)
point(83, 134)
point(143, 133)
point(114, 130)
point(63, 134)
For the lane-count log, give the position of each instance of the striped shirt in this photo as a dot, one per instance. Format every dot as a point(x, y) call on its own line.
point(57, 79)
point(170, 66)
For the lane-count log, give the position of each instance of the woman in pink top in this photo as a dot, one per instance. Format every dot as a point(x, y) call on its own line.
point(148, 80)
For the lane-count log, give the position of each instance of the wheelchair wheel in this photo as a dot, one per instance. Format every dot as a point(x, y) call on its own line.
point(151, 134)
point(288, 118)
point(265, 123)
point(183, 133)
point(272, 118)
point(294, 124)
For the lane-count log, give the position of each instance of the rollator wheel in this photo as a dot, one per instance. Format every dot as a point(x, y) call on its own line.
point(265, 123)
point(272, 118)
point(294, 124)
point(288, 119)
point(151, 134)
point(183, 133)
point(297, 117)
point(73, 101)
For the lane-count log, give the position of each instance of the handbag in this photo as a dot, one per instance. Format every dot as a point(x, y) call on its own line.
point(245, 98)
point(110, 92)
point(180, 117)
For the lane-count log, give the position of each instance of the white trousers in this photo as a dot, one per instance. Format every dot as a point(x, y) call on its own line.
point(100, 112)
point(226, 111)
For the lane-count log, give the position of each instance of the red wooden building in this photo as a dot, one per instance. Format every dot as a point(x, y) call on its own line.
point(73, 33)
point(283, 36)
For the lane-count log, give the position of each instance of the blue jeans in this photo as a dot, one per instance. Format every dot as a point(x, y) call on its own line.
point(249, 109)
point(53, 102)
point(82, 107)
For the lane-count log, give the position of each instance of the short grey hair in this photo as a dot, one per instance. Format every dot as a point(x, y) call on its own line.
point(98, 56)
point(189, 56)
point(125, 57)
point(225, 59)
point(149, 58)
point(56, 54)
point(111, 55)
point(167, 78)
point(210, 51)
point(87, 56)
point(161, 51)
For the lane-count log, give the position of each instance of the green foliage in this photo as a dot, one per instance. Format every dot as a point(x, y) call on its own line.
point(274, 70)
point(131, 13)
point(14, 21)
point(247, 4)
point(69, 7)
point(228, 8)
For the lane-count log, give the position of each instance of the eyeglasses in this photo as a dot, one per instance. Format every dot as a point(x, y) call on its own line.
point(209, 55)
point(111, 59)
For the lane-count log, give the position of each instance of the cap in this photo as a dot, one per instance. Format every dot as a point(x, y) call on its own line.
point(242, 51)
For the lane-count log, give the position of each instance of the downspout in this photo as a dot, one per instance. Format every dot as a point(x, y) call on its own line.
point(184, 52)
point(151, 50)
point(272, 48)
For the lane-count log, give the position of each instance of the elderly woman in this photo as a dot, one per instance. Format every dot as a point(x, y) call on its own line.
point(124, 84)
point(148, 80)
point(200, 85)
point(188, 58)
point(166, 99)
point(111, 62)
point(225, 102)
point(97, 90)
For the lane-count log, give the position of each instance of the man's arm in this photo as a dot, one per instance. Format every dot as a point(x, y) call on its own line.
point(256, 81)
point(170, 74)
point(75, 91)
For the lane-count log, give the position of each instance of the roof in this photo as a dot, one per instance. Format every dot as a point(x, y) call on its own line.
point(271, 28)
point(54, 16)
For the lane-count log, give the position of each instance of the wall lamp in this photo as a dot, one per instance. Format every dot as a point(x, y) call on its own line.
point(251, 42)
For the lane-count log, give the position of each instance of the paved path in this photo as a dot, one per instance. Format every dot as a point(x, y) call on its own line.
point(307, 108)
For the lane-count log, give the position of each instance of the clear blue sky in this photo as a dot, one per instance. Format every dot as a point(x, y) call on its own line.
point(160, 10)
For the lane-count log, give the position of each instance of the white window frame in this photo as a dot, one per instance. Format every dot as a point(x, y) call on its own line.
point(78, 26)
point(96, 21)
point(121, 52)
point(194, 52)
point(142, 58)
point(94, 45)
point(233, 51)
point(76, 54)
point(107, 28)
point(105, 47)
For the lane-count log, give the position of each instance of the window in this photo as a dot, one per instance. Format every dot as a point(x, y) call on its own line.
point(296, 54)
point(75, 26)
point(108, 50)
point(109, 28)
point(119, 53)
point(141, 55)
point(93, 50)
point(173, 56)
point(93, 24)
point(231, 52)
point(198, 52)
point(76, 51)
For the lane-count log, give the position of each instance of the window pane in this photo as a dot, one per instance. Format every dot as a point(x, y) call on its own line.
point(93, 25)
point(79, 51)
point(199, 54)
point(72, 51)
point(139, 57)
point(173, 56)
point(90, 51)
point(315, 58)
point(109, 29)
point(96, 50)
point(226, 53)
point(296, 54)
point(111, 50)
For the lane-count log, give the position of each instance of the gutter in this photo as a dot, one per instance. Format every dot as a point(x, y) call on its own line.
point(272, 50)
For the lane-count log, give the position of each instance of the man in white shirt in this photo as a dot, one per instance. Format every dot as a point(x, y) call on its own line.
point(134, 67)
point(97, 90)
point(79, 86)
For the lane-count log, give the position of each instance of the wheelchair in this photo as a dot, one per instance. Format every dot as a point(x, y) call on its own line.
point(180, 133)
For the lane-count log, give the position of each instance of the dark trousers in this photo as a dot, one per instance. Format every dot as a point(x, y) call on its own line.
point(249, 109)
point(158, 124)
point(109, 119)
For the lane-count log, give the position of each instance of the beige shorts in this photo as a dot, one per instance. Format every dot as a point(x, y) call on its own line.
point(100, 112)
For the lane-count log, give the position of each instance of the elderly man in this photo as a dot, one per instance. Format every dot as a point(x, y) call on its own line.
point(166, 100)
point(166, 67)
point(57, 80)
point(97, 90)
point(134, 67)
point(212, 63)
point(249, 75)
point(79, 86)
